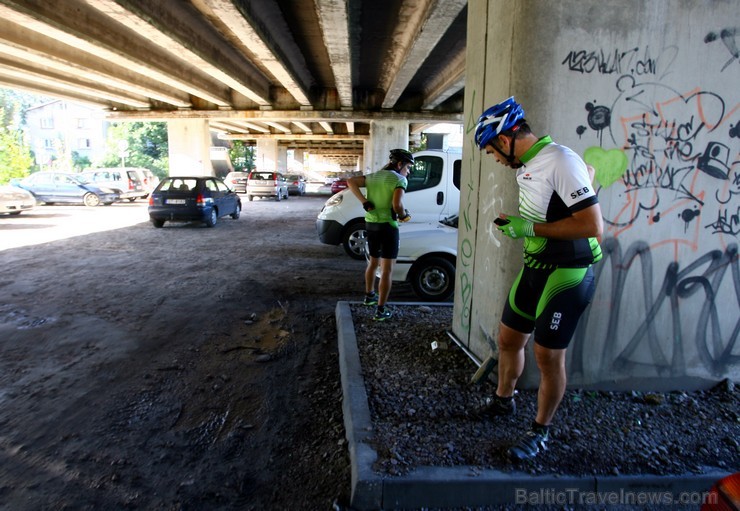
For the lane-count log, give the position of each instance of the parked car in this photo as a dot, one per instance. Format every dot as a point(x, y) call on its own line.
point(150, 180)
point(267, 184)
point(426, 259)
point(190, 198)
point(318, 188)
point(296, 185)
point(53, 187)
point(128, 182)
point(338, 185)
point(14, 200)
point(237, 181)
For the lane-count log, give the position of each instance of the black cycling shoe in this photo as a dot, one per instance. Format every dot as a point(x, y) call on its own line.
point(530, 444)
point(499, 407)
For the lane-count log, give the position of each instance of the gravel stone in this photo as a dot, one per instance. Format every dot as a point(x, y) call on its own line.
point(425, 413)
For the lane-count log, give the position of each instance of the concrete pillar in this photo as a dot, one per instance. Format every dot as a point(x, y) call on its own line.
point(298, 155)
point(384, 136)
point(649, 101)
point(267, 155)
point(189, 142)
point(282, 159)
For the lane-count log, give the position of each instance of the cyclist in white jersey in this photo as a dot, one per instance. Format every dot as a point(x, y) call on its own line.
point(383, 210)
point(560, 222)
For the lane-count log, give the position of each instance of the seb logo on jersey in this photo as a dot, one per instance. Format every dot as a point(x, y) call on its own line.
point(579, 193)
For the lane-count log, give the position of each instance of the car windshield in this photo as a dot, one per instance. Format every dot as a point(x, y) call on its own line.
point(293, 178)
point(71, 178)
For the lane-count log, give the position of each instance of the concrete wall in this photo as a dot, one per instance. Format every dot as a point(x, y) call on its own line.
point(648, 93)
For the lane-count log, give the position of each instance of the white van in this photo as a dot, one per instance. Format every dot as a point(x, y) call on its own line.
point(129, 182)
point(433, 193)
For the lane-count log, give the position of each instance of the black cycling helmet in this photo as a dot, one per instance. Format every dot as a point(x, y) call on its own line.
point(402, 155)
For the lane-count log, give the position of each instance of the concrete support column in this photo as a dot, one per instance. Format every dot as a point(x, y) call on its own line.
point(267, 156)
point(282, 160)
point(298, 155)
point(384, 136)
point(189, 143)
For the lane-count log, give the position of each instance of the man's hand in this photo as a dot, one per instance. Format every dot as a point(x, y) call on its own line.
point(405, 217)
point(368, 206)
point(516, 227)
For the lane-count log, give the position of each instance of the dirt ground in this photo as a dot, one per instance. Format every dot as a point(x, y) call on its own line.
point(174, 368)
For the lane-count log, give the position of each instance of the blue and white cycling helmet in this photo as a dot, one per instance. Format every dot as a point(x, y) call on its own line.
point(496, 120)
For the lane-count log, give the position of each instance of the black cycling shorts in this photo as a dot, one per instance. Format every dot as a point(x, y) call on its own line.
point(382, 240)
point(550, 302)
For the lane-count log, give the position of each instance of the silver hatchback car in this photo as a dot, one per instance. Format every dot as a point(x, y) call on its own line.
point(267, 184)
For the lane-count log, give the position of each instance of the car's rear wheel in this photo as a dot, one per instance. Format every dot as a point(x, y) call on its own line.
point(91, 200)
point(433, 278)
point(279, 196)
point(354, 240)
point(212, 218)
point(131, 199)
point(156, 222)
point(250, 197)
point(237, 211)
point(287, 195)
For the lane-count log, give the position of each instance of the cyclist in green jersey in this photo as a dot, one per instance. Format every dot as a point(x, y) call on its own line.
point(383, 210)
point(560, 223)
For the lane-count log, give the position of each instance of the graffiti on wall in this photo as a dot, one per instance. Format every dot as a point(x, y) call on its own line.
point(466, 232)
point(666, 345)
point(667, 166)
point(673, 154)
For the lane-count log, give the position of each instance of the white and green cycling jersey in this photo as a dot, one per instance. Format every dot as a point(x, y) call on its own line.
point(553, 184)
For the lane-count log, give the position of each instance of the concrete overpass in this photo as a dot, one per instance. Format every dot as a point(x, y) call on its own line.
point(325, 76)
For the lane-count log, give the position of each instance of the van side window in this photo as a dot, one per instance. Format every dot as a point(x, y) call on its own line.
point(426, 173)
point(456, 173)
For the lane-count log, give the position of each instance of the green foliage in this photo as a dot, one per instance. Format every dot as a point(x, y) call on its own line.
point(242, 156)
point(15, 153)
point(80, 163)
point(137, 144)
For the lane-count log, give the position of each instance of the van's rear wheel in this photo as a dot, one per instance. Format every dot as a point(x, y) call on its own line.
point(354, 240)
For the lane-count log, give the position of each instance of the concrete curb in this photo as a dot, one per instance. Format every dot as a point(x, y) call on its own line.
point(472, 486)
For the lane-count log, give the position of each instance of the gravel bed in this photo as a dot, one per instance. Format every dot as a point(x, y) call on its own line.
point(425, 413)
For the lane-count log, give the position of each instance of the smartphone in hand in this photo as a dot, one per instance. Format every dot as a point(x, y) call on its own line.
point(500, 221)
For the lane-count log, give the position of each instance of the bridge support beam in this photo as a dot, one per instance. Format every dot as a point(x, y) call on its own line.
point(189, 147)
point(384, 136)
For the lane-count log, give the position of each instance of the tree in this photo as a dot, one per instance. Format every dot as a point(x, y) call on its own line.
point(80, 163)
point(242, 156)
point(144, 145)
point(15, 154)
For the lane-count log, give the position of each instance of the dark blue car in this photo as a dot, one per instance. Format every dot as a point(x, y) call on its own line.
point(191, 198)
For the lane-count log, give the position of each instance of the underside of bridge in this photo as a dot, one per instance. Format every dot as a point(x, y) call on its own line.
point(312, 74)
